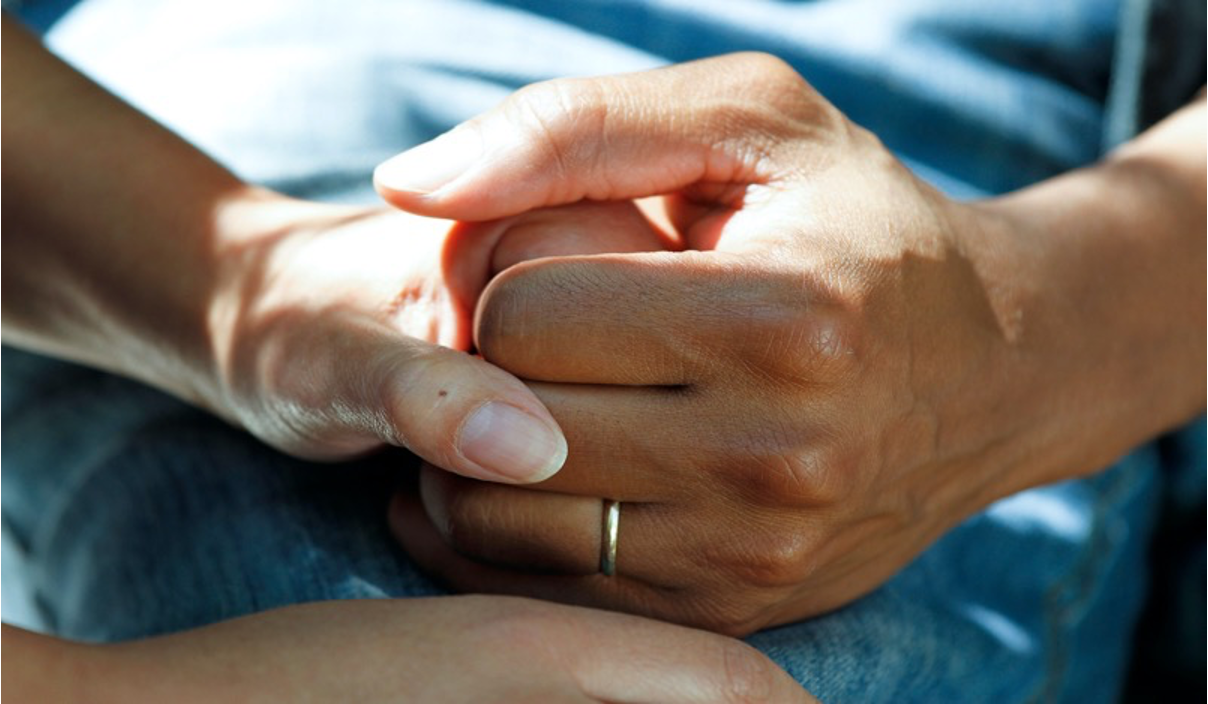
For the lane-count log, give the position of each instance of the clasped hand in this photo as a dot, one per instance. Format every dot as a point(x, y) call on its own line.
point(790, 409)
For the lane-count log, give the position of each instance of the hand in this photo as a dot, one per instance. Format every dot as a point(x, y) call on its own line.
point(848, 365)
point(329, 326)
point(314, 326)
point(453, 649)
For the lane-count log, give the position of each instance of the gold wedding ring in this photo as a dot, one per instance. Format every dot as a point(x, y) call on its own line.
point(608, 539)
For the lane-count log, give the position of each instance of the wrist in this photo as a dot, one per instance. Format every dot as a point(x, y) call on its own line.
point(252, 232)
point(1096, 272)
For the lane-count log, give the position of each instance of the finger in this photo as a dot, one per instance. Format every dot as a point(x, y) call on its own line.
point(623, 442)
point(474, 252)
point(667, 318)
point(656, 445)
point(595, 320)
point(359, 379)
point(415, 531)
point(541, 531)
point(411, 526)
point(579, 229)
point(721, 120)
point(459, 412)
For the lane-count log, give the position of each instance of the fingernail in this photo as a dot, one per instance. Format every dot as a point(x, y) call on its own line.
point(433, 164)
point(511, 443)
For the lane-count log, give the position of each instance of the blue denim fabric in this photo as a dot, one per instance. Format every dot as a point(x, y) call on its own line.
point(128, 513)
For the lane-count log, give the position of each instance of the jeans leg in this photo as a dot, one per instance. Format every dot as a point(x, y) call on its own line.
point(1035, 599)
point(129, 513)
point(139, 515)
point(133, 514)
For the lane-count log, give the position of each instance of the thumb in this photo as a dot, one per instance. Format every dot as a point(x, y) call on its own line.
point(715, 122)
point(470, 417)
point(365, 384)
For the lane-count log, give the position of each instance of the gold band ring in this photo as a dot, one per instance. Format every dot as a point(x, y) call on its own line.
point(608, 540)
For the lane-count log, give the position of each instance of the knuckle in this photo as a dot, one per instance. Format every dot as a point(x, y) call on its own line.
point(792, 479)
point(840, 474)
point(790, 462)
point(824, 344)
point(551, 116)
point(770, 67)
point(820, 476)
point(558, 98)
point(794, 327)
point(779, 98)
point(778, 561)
point(768, 559)
point(831, 351)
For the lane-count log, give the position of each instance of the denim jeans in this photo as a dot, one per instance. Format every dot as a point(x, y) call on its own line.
point(128, 513)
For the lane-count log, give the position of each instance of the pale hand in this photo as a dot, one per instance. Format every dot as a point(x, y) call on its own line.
point(452, 649)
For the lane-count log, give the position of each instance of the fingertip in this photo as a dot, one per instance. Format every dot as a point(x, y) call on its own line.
point(463, 199)
point(403, 200)
point(415, 202)
point(511, 443)
point(411, 527)
point(431, 166)
point(466, 416)
point(396, 512)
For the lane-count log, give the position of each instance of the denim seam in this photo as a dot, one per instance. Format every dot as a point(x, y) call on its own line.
point(1070, 595)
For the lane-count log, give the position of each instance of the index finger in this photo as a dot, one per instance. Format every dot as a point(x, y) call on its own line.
point(666, 318)
point(723, 120)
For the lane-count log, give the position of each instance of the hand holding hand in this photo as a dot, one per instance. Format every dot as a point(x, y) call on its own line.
point(314, 326)
point(847, 365)
point(343, 329)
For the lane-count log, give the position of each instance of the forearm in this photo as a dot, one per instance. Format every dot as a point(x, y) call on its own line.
point(114, 228)
point(1106, 299)
point(39, 668)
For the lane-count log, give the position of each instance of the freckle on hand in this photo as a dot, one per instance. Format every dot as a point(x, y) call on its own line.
point(443, 393)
